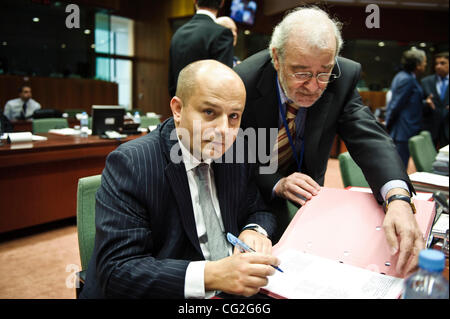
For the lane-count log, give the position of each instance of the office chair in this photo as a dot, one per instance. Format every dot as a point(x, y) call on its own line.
point(45, 125)
point(147, 121)
point(291, 208)
point(422, 152)
point(350, 172)
point(87, 188)
point(431, 148)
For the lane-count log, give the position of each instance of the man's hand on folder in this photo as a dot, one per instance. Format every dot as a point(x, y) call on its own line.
point(403, 233)
point(297, 184)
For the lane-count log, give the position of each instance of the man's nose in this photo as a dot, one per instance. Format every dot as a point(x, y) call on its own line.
point(312, 85)
point(222, 124)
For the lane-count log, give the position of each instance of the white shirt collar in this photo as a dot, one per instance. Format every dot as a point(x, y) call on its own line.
point(283, 96)
point(190, 162)
point(208, 13)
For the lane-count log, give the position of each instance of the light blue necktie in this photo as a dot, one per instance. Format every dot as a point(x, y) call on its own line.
point(215, 240)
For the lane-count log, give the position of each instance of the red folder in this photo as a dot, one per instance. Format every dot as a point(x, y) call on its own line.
point(346, 226)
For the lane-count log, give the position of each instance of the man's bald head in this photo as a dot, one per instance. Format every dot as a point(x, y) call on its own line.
point(204, 74)
point(228, 23)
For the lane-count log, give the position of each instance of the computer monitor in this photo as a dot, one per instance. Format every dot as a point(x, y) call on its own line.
point(106, 118)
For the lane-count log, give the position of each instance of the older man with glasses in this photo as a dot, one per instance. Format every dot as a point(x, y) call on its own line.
point(304, 90)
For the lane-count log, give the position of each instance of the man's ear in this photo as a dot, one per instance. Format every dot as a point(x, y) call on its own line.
point(176, 105)
point(276, 61)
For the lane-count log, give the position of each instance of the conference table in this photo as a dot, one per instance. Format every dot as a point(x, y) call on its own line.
point(38, 180)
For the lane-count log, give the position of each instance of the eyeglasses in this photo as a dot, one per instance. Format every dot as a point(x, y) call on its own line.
point(323, 78)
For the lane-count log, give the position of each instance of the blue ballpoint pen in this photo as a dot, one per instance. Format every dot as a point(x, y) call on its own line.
point(243, 247)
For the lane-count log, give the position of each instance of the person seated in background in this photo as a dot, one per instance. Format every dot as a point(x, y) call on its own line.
point(23, 107)
point(161, 215)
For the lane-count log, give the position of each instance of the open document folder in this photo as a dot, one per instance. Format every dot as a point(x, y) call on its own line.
point(335, 247)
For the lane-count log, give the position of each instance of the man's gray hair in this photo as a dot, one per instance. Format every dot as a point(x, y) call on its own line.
point(412, 58)
point(314, 37)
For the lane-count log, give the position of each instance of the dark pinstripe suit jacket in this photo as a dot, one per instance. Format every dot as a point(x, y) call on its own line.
point(145, 228)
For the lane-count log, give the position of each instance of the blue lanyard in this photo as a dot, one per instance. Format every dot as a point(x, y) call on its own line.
point(291, 141)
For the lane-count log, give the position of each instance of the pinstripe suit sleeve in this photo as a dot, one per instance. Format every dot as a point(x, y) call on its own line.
point(126, 267)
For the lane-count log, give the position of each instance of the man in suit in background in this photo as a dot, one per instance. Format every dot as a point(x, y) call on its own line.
point(301, 86)
point(404, 111)
point(23, 107)
point(435, 112)
point(200, 38)
point(161, 217)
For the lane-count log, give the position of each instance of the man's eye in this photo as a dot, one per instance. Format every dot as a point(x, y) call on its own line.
point(208, 112)
point(303, 76)
point(234, 116)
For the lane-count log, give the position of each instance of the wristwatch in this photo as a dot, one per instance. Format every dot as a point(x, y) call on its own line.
point(399, 197)
point(256, 228)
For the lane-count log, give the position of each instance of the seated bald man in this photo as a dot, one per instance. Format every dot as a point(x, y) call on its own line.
point(166, 202)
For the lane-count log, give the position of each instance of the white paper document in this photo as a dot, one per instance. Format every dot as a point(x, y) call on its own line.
point(429, 178)
point(307, 276)
point(441, 225)
point(22, 137)
point(67, 131)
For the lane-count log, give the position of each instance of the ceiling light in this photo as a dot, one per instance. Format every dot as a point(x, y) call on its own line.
point(87, 31)
point(247, 32)
point(381, 44)
point(35, 19)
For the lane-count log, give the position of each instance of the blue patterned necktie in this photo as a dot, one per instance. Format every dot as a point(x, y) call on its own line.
point(444, 85)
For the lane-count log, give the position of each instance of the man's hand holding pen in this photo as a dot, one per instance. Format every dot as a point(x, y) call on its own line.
point(243, 273)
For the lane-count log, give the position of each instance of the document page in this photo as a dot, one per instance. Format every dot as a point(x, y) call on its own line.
point(429, 178)
point(306, 276)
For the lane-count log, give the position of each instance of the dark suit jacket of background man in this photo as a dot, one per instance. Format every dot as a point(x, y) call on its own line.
point(437, 121)
point(404, 111)
point(145, 227)
point(339, 110)
point(198, 39)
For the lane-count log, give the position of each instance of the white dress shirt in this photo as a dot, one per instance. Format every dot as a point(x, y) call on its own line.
point(208, 13)
point(13, 108)
point(194, 286)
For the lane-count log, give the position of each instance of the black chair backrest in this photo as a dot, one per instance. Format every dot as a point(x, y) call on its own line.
point(46, 113)
point(5, 125)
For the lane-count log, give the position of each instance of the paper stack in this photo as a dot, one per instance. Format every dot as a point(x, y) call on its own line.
point(440, 165)
point(429, 182)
